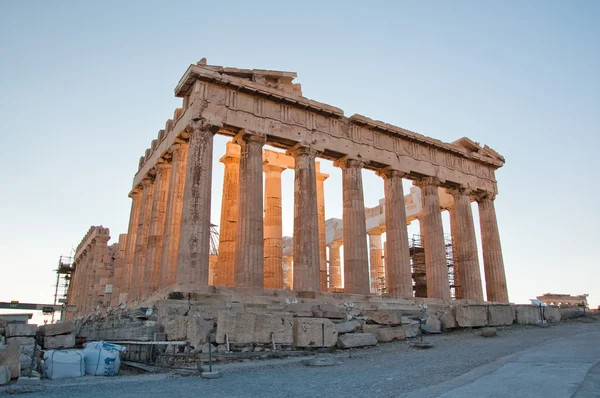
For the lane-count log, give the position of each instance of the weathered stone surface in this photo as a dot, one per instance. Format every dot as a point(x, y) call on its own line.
point(176, 329)
point(488, 332)
point(353, 340)
point(327, 311)
point(15, 330)
point(5, 375)
point(198, 331)
point(21, 340)
point(501, 315)
point(527, 314)
point(411, 329)
point(9, 356)
point(471, 315)
point(64, 327)
point(299, 309)
point(347, 327)
point(385, 334)
point(384, 317)
point(552, 314)
point(433, 323)
point(448, 320)
point(60, 341)
point(207, 346)
point(244, 327)
point(308, 332)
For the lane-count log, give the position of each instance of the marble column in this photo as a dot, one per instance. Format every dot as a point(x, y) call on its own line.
point(464, 246)
point(134, 217)
point(398, 276)
point(375, 257)
point(170, 244)
point(229, 216)
point(194, 236)
point(249, 250)
point(321, 177)
point(273, 227)
point(335, 265)
point(100, 272)
point(433, 240)
point(141, 243)
point(118, 273)
point(493, 263)
point(356, 254)
point(288, 272)
point(458, 292)
point(157, 229)
point(306, 221)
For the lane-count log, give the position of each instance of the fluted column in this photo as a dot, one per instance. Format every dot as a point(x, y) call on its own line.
point(433, 240)
point(170, 245)
point(100, 272)
point(306, 220)
point(157, 228)
point(458, 293)
point(249, 251)
point(321, 177)
point(467, 256)
point(356, 254)
point(375, 257)
point(288, 272)
point(398, 276)
point(194, 238)
point(134, 217)
point(141, 243)
point(493, 263)
point(335, 265)
point(118, 273)
point(229, 216)
point(273, 227)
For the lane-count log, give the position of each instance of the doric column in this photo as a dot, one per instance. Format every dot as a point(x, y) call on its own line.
point(288, 272)
point(229, 216)
point(321, 177)
point(170, 245)
point(249, 251)
point(100, 272)
point(335, 265)
point(157, 229)
point(273, 227)
point(306, 220)
point(466, 246)
point(194, 236)
point(134, 217)
point(398, 277)
point(118, 273)
point(375, 257)
point(141, 243)
point(356, 255)
point(433, 240)
point(458, 293)
point(493, 264)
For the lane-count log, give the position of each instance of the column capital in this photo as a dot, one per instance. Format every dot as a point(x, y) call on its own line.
point(202, 124)
point(459, 191)
point(347, 162)
point(147, 181)
point(135, 192)
point(388, 172)
point(484, 196)
point(301, 150)
point(271, 168)
point(229, 159)
point(377, 231)
point(336, 244)
point(427, 182)
point(249, 137)
point(162, 166)
point(177, 146)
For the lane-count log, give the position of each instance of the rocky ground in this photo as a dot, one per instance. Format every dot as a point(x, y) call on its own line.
point(388, 370)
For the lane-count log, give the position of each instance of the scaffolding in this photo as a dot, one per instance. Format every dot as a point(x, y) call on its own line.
point(417, 262)
point(63, 279)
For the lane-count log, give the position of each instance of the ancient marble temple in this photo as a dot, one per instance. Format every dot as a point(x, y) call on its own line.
point(167, 245)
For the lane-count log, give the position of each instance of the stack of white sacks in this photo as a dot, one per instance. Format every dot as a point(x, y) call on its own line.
point(98, 359)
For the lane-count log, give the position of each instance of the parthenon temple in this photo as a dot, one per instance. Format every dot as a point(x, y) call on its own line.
point(171, 244)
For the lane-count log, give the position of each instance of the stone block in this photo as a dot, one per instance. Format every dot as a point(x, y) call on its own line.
point(299, 309)
point(411, 329)
point(384, 317)
point(9, 356)
point(347, 327)
point(328, 311)
point(433, 323)
point(16, 330)
point(552, 314)
point(385, 334)
point(488, 332)
point(60, 341)
point(198, 331)
point(176, 328)
point(527, 314)
point(5, 375)
point(54, 329)
point(21, 340)
point(448, 320)
point(245, 327)
point(308, 332)
point(501, 315)
point(468, 316)
point(354, 340)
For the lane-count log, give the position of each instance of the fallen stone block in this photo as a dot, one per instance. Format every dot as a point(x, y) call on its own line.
point(488, 332)
point(4, 375)
point(328, 311)
point(353, 340)
point(448, 320)
point(387, 334)
point(9, 356)
point(60, 341)
point(411, 329)
point(299, 309)
point(468, 316)
point(347, 327)
point(308, 332)
point(26, 381)
point(16, 330)
point(206, 347)
point(527, 314)
point(501, 315)
point(176, 329)
point(245, 327)
point(21, 340)
point(433, 323)
point(552, 314)
point(54, 329)
point(198, 331)
point(384, 317)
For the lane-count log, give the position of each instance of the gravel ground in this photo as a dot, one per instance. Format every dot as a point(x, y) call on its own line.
point(387, 370)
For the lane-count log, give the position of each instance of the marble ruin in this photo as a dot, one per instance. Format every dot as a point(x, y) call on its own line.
point(167, 245)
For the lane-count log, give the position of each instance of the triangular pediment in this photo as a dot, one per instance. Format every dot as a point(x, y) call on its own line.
point(471, 146)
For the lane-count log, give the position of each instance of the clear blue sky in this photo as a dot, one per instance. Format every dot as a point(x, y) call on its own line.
point(85, 86)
